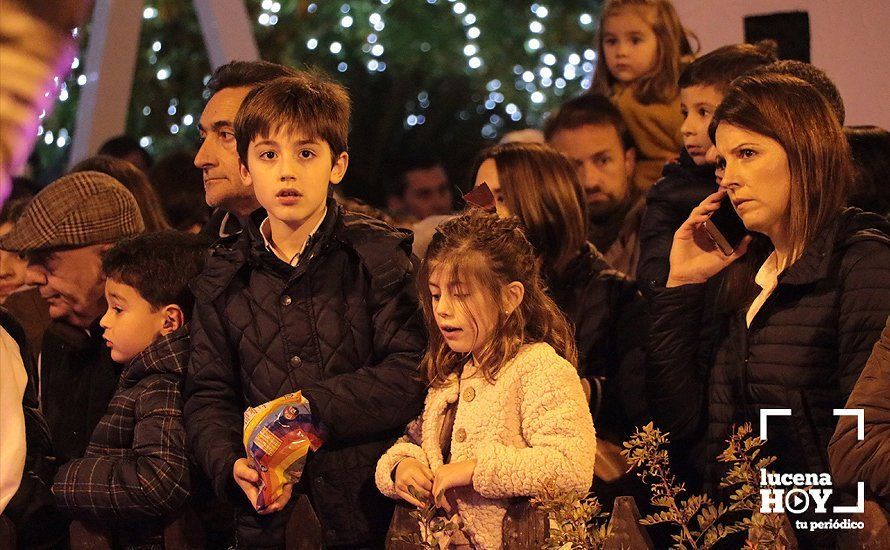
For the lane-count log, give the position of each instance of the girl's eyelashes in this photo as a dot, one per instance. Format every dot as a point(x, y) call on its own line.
point(746, 153)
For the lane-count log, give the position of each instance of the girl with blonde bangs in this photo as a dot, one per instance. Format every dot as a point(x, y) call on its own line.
point(642, 48)
point(659, 82)
point(506, 415)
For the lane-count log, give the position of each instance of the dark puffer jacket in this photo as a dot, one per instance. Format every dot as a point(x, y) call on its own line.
point(344, 327)
point(610, 328)
point(134, 474)
point(867, 460)
point(682, 187)
point(804, 350)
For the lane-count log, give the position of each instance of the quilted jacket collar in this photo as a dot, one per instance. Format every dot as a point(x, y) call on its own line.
point(168, 355)
point(229, 256)
point(259, 254)
point(686, 168)
point(852, 225)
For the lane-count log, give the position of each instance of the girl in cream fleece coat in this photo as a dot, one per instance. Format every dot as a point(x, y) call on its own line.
point(521, 424)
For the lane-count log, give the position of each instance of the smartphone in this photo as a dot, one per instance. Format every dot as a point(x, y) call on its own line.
point(725, 227)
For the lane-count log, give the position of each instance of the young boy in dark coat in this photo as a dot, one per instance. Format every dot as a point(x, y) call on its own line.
point(308, 297)
point(686, 182)
point(135, 476)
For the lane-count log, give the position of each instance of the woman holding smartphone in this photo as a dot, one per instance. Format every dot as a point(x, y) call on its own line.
point(801, 300)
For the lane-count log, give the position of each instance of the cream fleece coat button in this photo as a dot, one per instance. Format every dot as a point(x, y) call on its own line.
point(530, 433)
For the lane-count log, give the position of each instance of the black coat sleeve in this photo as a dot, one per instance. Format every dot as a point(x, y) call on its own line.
point(213, 402)
point(864, 310)
point(675, 388)
point(385, 396)
point(657, 229)
point(630, 334)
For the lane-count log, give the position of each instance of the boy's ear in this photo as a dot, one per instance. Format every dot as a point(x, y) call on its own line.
point(246, 180)
point(173, 319)
point(338, 170)
point(513, 295)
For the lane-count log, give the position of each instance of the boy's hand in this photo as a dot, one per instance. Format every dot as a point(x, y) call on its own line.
point(280, 502)
point(410, 472)
point(247, 478)
point(449, 476)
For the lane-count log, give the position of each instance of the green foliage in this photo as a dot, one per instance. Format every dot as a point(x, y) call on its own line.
point(576, 522)
point(702, 523)
point(427, 74)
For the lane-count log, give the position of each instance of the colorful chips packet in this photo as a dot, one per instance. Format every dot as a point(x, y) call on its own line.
point(278, 436)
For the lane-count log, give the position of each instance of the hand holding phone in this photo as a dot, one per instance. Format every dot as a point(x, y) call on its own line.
point(725, 227)
point(695, 257)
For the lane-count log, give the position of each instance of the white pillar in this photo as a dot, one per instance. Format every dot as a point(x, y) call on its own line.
point(228, 36)
point(110, 67)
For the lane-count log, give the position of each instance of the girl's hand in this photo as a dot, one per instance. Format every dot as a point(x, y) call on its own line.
point(410, 472)
point(449, 476)
point(694, 257)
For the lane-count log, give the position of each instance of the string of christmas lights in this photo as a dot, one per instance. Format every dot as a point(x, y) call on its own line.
point(550, 46)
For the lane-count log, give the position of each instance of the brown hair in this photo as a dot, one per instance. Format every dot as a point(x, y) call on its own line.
point(871, 157)
point(136, 183)
point(312, 103)
point(720, 67)
point(588, 109)
point(812, 75)
point(660, 85)
point(489, 253)
point(242, 74)
point(801, 120)
point(541, 188)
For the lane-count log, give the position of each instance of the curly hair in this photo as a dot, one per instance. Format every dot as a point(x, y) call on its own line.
point(488, 253)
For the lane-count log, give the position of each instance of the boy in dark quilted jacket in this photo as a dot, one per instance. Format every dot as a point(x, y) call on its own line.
point(134, 476)
point(308, 297)
point(687, 181)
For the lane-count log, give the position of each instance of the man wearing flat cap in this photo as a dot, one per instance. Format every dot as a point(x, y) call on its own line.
point(63, 233)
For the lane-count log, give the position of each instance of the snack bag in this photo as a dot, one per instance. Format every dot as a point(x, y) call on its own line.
point(278, 436)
